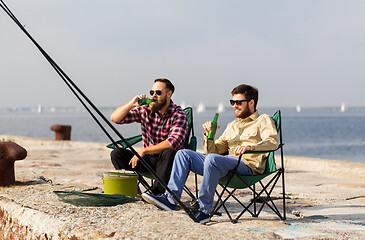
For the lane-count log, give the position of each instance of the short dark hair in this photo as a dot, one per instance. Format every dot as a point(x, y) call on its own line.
point(167, 82)
point(249, 92)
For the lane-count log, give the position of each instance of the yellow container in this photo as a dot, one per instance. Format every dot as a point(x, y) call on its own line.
point(120, 183)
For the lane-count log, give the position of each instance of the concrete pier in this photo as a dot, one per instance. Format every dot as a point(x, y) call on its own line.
point(326, 200)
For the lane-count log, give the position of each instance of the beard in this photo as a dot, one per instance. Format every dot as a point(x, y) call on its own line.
point(158, 105)
point(246, 113)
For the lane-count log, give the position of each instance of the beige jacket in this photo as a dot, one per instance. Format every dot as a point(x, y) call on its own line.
point(257, 131)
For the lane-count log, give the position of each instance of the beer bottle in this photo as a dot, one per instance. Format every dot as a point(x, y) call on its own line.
point(213, 129)
point(145, 101)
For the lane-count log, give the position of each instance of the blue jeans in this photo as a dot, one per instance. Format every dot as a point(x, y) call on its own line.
point(211, 167)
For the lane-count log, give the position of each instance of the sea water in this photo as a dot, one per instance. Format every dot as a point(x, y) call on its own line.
point(312, 132)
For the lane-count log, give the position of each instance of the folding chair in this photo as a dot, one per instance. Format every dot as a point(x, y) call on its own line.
point(237, 181)
point(190, 143)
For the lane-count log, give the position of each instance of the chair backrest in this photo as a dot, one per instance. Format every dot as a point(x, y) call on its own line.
point(190, 142)
point(277, 119)
point(270, 162)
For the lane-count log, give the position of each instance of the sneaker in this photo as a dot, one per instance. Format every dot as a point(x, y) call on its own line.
point(201, 217)
point(159, 201)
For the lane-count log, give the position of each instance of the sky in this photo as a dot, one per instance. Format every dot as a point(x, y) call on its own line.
point(306, 52)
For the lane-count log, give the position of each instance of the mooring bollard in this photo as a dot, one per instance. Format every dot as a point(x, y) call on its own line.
point(9, 153)
point(63, 132)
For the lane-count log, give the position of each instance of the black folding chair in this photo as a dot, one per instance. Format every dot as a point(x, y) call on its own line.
point(262, 197)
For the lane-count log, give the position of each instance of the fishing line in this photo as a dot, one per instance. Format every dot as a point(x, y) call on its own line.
point(76, 91)
point(62, 74)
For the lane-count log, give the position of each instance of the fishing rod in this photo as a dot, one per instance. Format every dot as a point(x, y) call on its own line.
point(59, 71)
point(77, 92)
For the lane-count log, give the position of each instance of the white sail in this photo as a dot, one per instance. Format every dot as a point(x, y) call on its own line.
point(201, 107)
point(39, 109)
point(220, 107)
point(344, 107)
point(298, 108)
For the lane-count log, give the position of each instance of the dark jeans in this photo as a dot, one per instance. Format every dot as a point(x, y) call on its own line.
point(161, 163)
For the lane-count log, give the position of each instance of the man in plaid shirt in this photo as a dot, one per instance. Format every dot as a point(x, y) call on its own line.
point(164, 126)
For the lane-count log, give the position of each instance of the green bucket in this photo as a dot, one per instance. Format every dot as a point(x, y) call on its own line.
point(120, 183)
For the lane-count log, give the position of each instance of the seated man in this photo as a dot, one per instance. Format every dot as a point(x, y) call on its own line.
point(249, 131)
point(164, 126)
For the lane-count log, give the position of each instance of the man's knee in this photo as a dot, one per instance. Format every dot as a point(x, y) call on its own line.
point(211, 160)
point(184, 156)
point(114, 153)
point(186, 153)
point(218, 163)
point(118, 156)
point(168, 152)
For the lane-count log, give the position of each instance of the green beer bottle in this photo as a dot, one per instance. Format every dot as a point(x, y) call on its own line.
point(213, 130)
point(145, 101)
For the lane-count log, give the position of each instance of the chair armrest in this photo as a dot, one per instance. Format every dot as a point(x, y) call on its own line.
point(267, 151)
point(257, 152)
point(131, 141)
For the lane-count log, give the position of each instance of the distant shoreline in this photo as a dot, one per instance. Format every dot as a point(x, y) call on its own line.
point(55, 109)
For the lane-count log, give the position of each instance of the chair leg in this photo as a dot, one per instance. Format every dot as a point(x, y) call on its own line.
point(272, 206)
point(257, 195)
point(196, 186)
point(142, 181)
point(194, 199)
point(254, 201)
point(194, 203)
point(254, 207)
point(283, 187)
point(221, 203)
point(225, 208)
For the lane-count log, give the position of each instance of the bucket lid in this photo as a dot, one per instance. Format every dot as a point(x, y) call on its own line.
point(119, 175)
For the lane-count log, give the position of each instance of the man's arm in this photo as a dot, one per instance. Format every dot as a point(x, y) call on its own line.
point(119, 114)
point(178, 130)
point(155, 149)
point(220, 146)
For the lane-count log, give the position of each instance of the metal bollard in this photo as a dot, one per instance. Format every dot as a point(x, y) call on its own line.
point(63, 132)
point(9, 153)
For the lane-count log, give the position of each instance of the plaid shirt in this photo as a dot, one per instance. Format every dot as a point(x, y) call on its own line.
point(172, 126)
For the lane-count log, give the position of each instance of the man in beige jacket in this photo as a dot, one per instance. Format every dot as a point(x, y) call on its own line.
point(249, 131)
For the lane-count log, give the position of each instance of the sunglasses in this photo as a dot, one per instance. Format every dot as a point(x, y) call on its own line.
point(158, 92)
point(238, 102)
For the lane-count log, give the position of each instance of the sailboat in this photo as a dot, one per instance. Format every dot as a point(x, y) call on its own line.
point(39, 109)
point(298, 108)
point(344, 107)
point(201, 107)
point(220, 107)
